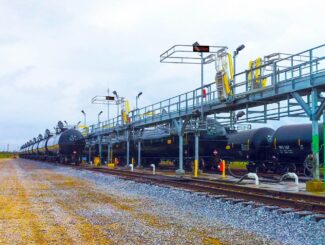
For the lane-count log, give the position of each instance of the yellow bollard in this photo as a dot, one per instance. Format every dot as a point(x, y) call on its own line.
point(196, 168)
point(224, 169)
point(96, 161)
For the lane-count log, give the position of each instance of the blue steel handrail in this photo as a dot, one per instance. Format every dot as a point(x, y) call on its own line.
point(185, 103)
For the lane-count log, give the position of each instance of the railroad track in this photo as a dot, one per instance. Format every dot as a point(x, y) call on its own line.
point(228, 191)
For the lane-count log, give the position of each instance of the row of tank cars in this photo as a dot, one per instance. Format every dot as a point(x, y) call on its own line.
point(65, 145)
point(263, 149)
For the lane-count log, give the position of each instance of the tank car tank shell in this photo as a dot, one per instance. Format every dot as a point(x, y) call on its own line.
point(68, 142)
point(34, 148)
point(292, 143)
point(249, 145)
point(41, 147)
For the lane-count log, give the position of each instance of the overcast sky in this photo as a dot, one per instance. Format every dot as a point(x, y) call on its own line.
point(56, 55)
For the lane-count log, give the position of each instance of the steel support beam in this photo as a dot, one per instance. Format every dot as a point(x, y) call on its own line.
point(179, 126)
point(320, 109)
point(196, 153)
point(127, 148)
point(202, 82)
point(100, 148)
point(315, 135)
point(89, 156)
point(181, 160)
point(324, 148)
point(108, 153)
point(139, 153)
point(302, 103)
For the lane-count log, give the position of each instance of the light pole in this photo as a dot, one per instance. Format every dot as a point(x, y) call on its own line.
point(236, 52)
point(196, 44)
point(108, 106)
point(84, 113)
point(117, 103)
point(136, 102)
point(99, 116)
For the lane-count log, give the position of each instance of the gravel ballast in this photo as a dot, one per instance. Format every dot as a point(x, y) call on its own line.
point(80, 206)
point(194, 210)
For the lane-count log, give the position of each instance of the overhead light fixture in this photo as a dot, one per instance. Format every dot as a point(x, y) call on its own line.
point(240, 48)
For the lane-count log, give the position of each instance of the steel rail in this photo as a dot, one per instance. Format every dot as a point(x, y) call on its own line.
point(296, 201)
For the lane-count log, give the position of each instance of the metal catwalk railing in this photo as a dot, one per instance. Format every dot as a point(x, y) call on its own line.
point(284, 73)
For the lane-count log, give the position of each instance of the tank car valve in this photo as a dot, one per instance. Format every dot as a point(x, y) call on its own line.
point(250, 176)
point(290, 176)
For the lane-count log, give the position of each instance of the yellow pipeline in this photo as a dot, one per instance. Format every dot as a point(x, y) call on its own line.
point(258, 71)
point(231, 67)
point(226, 84)
point(250, 66)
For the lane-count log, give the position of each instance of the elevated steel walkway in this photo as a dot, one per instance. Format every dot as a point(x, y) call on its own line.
point(289, 75)
point(299, 77)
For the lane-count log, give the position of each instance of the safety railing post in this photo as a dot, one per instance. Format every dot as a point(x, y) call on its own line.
point(310, 65)
point(193, 98)
point(274, 75)
point(179, 105)
point(291, 67)
point(186, 103)
point(246, 83)
point(169, 108)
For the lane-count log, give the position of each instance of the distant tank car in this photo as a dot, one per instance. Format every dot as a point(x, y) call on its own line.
point(263, 149)
point(64, 146)
point(161, 147)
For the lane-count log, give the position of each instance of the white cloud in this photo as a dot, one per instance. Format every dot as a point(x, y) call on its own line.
point(56, 55)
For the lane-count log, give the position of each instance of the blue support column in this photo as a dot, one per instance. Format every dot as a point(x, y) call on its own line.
point(139, 153)
point(100, 148)
point(108, 153)
point(315, 135)
point(127, 148)
point(89, 154)
point(196, 153)
point(181, 160)
point(324, 148)
point(179, 126)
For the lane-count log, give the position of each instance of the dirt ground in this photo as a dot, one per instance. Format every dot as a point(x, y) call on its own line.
point(40, 206)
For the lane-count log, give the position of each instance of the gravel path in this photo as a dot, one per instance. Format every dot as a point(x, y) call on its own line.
point(43, 203)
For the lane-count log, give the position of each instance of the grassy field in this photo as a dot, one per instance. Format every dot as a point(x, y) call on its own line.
point(6, 155)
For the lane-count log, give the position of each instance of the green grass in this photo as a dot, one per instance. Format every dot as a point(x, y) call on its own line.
point(6, 155)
